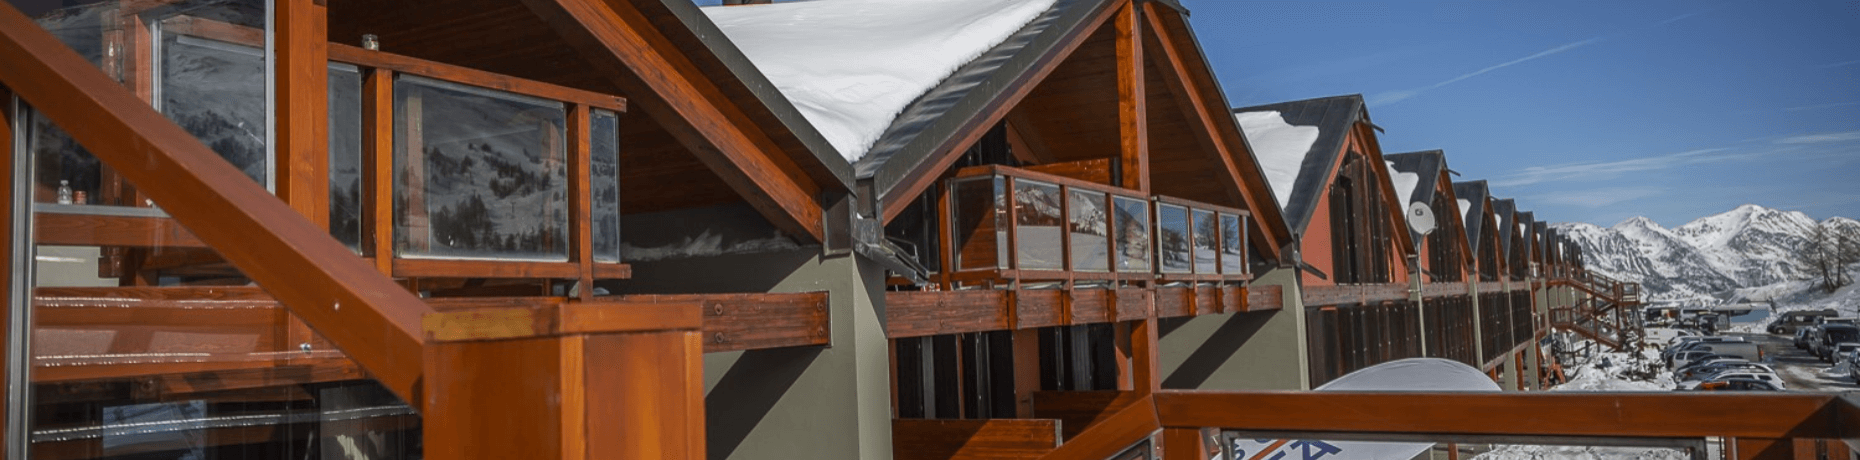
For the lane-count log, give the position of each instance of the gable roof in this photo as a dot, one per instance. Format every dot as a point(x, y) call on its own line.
point(1504, 211)
point(1300, 175)
point(1472, 201)
point(1428, 165)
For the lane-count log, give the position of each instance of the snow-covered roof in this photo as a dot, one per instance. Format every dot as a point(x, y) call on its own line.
point(850, 66)
point(1279, 147)
point(1404, 182)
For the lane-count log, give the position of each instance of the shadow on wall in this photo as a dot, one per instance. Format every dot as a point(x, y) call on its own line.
point(748, 392)
point(1214, 352)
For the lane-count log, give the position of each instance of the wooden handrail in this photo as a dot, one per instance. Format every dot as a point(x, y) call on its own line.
point(374, 320)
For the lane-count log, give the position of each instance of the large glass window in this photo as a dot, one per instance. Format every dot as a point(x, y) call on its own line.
point(1038, 229)
point(979, 227)
point(345, 155)
point(604, 184)
point(1233, 245)
point(1207, 238)
point(478, 173)
point(216, 91)
point(1091, 245)
point(1172, 238)
point(1133, 234)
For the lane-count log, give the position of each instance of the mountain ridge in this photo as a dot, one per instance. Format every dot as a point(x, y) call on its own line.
point(1716, 258)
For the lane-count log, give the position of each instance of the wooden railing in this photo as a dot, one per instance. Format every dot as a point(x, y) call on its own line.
point(1009, 227)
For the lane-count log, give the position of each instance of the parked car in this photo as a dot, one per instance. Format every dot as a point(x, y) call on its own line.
point(1687, 357)
point(1736, 385)
point(1844, 351)
point(1803, 335)
point(1829, 335)
point(1699, 372)
point(1688, 343)
point(1772, 379)
point(1853, 367)
point(1790, 322)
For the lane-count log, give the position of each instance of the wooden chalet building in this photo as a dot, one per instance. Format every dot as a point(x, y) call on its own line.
point(614, 229)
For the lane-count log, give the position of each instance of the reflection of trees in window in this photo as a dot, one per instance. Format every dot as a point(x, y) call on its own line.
point(478, 173)
point(1133, 234)
point(216, 91)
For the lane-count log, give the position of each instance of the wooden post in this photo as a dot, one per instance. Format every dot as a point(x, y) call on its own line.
point(1026, 370)
point(580, 197)
point(1762, 449)
point(378, 169)
point(301, 166)
point(605, 381)
point(1183, 444)
point(1132, 105)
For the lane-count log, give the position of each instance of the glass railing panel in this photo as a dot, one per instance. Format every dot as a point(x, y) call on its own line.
point(1207, 238)
point(1090, 227)
point(1233, 245)
point(604, 184)
point(478, 173)
point(1039, 227)
point(1172, 239)
point(215, 89)
point(1132, 221)
point(978, 223)
point(345, 156)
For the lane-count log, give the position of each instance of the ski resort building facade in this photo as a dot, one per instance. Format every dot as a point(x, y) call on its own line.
point(601, 229)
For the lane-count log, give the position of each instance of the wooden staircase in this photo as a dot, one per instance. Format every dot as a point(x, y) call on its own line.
point(1606, 315)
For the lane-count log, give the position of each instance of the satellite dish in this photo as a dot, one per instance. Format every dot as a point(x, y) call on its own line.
point(1420, 218)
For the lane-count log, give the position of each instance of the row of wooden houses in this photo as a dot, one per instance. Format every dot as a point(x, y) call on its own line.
point(644, 229)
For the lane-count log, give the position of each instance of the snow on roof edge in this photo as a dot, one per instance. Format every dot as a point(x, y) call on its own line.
point(852, 66)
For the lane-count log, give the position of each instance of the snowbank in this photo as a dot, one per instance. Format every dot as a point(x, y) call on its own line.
point(850, 66)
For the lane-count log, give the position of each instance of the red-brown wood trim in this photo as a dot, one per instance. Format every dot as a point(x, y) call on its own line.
point(922, 439)
point(920, 178)
point(337, 293)
point(300, 34)
point(407, 65)
point(580, 198)
point(7, 232)
point(620, 40)
point(1133, 113)
point(752, 321)
point(378, 177)
point(55, 228)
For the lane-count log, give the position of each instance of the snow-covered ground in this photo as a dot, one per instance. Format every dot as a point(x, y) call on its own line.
point(1603, 371)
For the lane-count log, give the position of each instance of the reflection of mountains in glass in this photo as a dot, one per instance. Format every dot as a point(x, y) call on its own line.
point(216, 91)
point(495, 179)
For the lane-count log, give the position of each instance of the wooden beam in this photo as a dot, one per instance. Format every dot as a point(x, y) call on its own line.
point(338, 294)
point(1132, 101)
point(1077, 410)
point(474, 77)
point(753, 321)
point(624, 41)
point(1537, 414)
point(920, 439)
point(1188, 74)
point(57, 228)
point(301, 171)
point(1126, 427)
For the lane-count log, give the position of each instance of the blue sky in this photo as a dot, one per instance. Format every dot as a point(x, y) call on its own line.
point(1591, 111)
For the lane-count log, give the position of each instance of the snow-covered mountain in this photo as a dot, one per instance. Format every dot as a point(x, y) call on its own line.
point(1715, 258)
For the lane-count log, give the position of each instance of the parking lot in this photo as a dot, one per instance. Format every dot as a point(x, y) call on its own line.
point(1803, 372)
